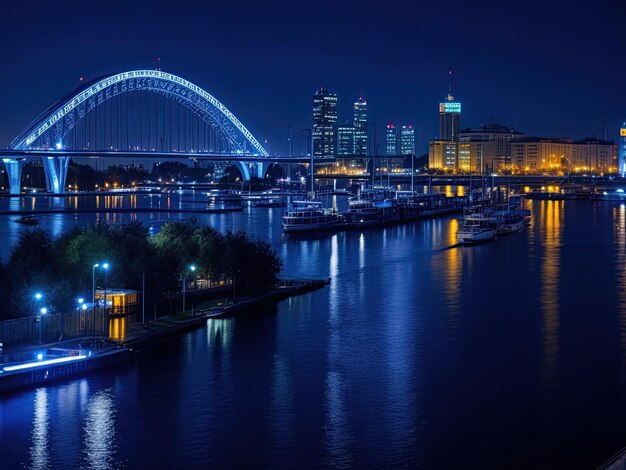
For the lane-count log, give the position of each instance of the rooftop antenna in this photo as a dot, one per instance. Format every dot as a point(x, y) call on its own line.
point(450, 84)
point(81, 80)
point(158, 67)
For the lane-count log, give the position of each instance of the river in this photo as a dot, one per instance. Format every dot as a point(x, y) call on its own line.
point(510, 354)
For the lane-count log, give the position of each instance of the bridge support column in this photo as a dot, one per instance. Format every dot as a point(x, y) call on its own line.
point(55, 169)
point(261, 169)
point(244, 169)
point(14, 174)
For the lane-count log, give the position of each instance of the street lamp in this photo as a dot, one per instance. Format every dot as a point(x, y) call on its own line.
point(42, 311)
point(38, 296)
point(93, 296)
point(106, 281)
point(193, 269)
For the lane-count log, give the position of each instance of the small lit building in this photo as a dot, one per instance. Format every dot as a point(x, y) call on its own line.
point(120, 302)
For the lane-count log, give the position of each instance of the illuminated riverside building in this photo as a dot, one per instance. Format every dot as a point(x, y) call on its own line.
point(360, 127)
point(345, 140)
point(489, 148)
point(622, 150)
point(391, 135)
point(535, 154)
point(324, 122)
point(442, 155)
point(595, 155)
point(449, 119)
point(407, 140)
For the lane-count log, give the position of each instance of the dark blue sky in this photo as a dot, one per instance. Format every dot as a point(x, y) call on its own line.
point(550, 68)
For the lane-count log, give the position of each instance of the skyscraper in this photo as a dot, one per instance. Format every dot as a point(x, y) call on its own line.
point(345, 139)
point(407, 140)
point(360, 127)
point(449, 119)
point(392, 140)
point(622, 150)
point(324, 122)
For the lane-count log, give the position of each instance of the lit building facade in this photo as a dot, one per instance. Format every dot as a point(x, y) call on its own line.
point(449, 119)
point(407, 140)
point(622, 150)
point(536, 154)
point(491, 149)
point(324, 123)
point(442, 155)
point(391, 147)
point(345, 139)
point(595, 155)
point(360, 127)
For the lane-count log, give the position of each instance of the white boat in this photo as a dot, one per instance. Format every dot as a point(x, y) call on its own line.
point(505, 220)
point(225, 200)
point(510, 222)
point(475, 231)
point(306, 216)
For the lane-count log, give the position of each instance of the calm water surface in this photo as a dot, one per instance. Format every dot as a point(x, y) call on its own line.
point(510, 354)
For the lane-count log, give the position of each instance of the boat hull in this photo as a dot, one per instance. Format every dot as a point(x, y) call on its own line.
point(475, 237)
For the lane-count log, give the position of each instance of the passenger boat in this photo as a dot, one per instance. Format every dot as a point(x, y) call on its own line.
point(28, 220)
point(362, 213)
point(525, 214)
point(425, 205)
point(509, 222)
point(224, 200)
point(275, 201)
point(476, 230)
point(305, 216)
point(505, 220)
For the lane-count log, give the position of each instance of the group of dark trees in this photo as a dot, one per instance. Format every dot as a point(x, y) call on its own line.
point(62, 268)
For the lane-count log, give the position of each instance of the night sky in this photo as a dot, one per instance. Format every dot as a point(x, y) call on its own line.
point(551, 70)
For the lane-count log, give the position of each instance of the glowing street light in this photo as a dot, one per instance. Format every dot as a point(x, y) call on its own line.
point(192, 268)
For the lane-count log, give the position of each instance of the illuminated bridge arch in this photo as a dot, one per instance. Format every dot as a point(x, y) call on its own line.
point(107, 115)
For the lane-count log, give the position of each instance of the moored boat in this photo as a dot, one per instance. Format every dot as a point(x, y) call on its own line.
point(28, 220)
point(225, 200)
point(304, 216)
point(475, 231)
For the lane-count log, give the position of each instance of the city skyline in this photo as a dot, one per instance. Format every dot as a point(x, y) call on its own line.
point(550, 95)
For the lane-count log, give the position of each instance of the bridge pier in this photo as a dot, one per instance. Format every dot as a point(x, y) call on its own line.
point(244, 169)
point(261, 169)
point(55, 170)
point(13, 167)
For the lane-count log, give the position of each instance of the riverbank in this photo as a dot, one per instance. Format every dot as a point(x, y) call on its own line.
point(41, 364)
point(179, 322)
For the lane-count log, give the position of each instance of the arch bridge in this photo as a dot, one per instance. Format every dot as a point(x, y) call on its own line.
point(148, 113)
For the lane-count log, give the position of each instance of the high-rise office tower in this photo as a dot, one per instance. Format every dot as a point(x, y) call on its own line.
point(360, 127)
point(392, 140)
point(345, 139)
point(622, 150)
point(449, 119)
point(407, 140)
point(324, 122)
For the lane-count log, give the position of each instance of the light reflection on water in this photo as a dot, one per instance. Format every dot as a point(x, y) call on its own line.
point(99, 432)
point(415, 348)
point(39, 449)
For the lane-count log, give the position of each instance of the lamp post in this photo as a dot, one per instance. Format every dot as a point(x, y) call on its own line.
point(106, 282)
point(42, 311)
point(192, 268)
point(93, 296)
